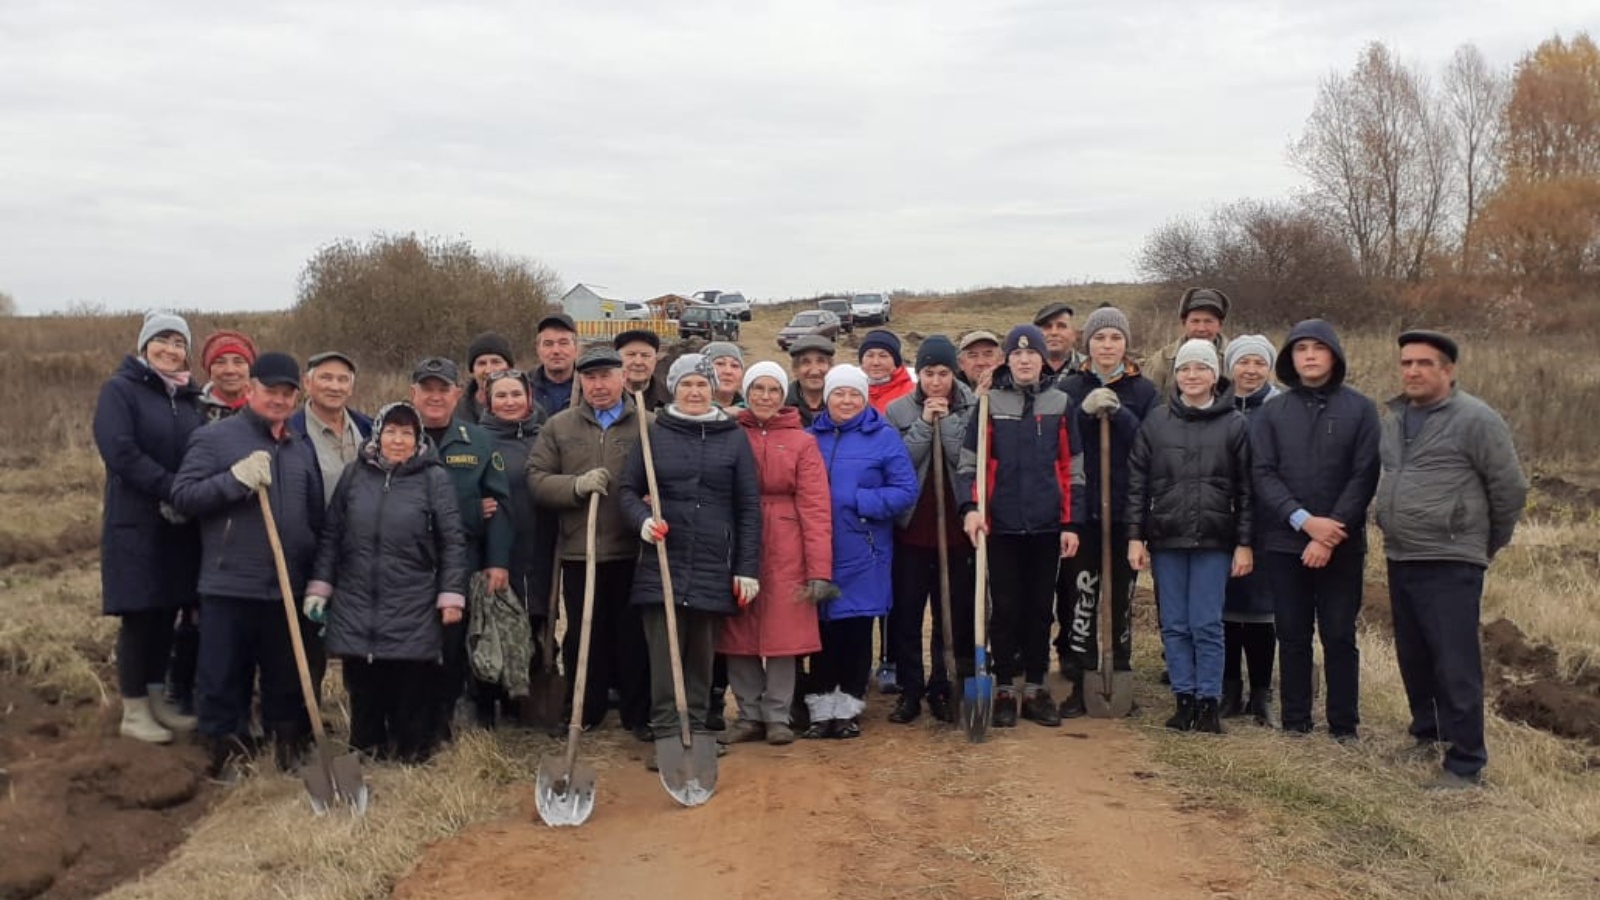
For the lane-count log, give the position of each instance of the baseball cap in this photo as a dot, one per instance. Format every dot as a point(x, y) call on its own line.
point(436, 367)
point(276, 368)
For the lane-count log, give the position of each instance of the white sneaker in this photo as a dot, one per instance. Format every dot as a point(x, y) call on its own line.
point(139, 724)
point(166, 713)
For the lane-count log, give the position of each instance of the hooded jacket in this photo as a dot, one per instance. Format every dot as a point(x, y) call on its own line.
point(1314, 449)
point(1138, 396)
point(146, 562)
point(711, 502)
point(871, 483)
point(1035, 477)
point(392, 555)
point(1249, 598)
point(1189, 477)
point(534, 544)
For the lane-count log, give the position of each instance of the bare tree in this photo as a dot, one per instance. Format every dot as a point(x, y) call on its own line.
point(1475, 104)
point(1177, 252)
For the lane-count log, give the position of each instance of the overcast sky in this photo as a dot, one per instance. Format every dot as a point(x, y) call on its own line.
point(197, 153)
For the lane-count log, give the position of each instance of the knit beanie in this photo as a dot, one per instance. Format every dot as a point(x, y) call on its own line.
point(690, 364)
point(718, 349)
point(1024, 337)
point(1250, 345)
point(845, 376)
point(1107, 317)
point(226, 342)
point(936, 350)
point(882, 339)
point(157, 321)
point(488, 344)
point(1196, 351)
point(765, 369)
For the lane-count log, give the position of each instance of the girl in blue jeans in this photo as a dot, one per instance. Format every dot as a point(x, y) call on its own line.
point(1190, 520)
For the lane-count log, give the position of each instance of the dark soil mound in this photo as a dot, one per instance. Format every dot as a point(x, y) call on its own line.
point(1554, 706)
point(1505, 645)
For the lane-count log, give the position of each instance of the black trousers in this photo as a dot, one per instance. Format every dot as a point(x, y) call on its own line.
point(1022, 583)
point(391, 707)
point(1321, 602)
point(144, 640)
point(916, 588)
point(1436, 608)
point(617, 652)
point(1254, 643)
point(697, 642)
point(1078, 604)
point(239, 640)
point(185, 654)
point(845, 661)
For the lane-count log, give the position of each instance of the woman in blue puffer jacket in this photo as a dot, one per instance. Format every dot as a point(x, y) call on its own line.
point(872, 482)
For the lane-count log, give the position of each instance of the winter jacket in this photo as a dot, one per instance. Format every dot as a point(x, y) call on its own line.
point(571, 443)
point(1249, 598)
point(711, 501)
point(1453, 493)
point(297, 424)
point(1159, 367)
point(798, 401)
point(1138, 396)
point(1189, 477)
point(214, 408)
point(1035, 477)
point(552, 396)
point(1314, 449)
point(871, 483)
point(146, 562)
point(332, 468)
point(392, 555)
point(1053, 376)
point(905, 415)
point(796, 540)
point(478, 471)
point(534, 530)
point(879, 396)
point(655, 394)
point(236, 558)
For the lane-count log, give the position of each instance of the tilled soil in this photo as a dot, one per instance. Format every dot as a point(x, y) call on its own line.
point(82, 811)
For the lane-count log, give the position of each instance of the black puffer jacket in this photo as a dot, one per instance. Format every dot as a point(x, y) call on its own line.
point(392, 555)
point(1189, 476)
point(711, 501)
point(534, 551)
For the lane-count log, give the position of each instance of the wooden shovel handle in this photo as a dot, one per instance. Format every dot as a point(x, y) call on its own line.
point(680, 696)
point(1107, 656)
point(947, 627)
point(581, 677)
point(292, 613)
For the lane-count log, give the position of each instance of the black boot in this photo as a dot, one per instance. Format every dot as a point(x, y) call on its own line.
point(1232, 692)
point(1260, 705)
point(907, 710)
point(1183, 719)
point(1072, 707)
point(1208, 719)
point(715, 720)
point(1005, 710)
point(1041, 708)
point(290, 743)
point(223, 758)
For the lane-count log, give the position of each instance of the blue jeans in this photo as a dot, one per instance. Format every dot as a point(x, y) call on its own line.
point(1194, 585)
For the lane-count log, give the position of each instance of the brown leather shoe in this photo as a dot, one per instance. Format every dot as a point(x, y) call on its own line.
point(742, 731)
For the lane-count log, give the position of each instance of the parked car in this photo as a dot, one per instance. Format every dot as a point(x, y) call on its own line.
point(870, 309)
point(840, 306)
point(708, 323)
point(731, 301)
point(819, 322)
point(632, 309)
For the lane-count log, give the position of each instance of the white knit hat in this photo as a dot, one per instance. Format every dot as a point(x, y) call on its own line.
point(1196, 350)
point(157, 321)
point(846, 376)
point(765, 369)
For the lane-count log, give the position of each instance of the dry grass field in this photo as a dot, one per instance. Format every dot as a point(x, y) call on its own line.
point(1278, 817)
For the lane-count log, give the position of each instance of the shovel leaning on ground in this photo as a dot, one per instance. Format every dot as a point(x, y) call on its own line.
point(329, 779)
point(947, 628)
point(977, 692)
point(1107, 693)
point(688, 765)
point(547, 688)
point(564, 791)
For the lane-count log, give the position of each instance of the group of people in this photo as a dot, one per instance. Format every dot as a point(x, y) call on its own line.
point(797, 508)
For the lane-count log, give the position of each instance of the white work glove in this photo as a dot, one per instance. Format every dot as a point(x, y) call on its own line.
point(172, 515)
point(745, 589)
point(652, 531)
point(1102, 401)
point(594, 481)
point(254, 471)
point(315, 608)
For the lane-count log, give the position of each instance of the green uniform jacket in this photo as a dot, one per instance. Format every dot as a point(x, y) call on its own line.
point(477, 471)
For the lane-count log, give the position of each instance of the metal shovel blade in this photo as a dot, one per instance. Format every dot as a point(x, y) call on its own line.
point(977, 706)
point(317, 775)
point(348, 783)
point(688, 773)
point(565, 797)
point(1108, 694)
point(547, 695)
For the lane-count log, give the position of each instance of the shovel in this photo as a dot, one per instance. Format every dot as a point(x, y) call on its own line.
point(977, 692)
point(1107, 693)
point(948, 627)
point(329, 779)
point(547, 689)
point(564, 791)
point(688, 765)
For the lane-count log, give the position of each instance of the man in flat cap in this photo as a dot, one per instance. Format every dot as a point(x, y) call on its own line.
point(556, 342)
point(640, 349)
point(1449, 497)
point(978, 354)
point(810, 358)
point(1202, 311)
point(581, 451)
point(1061, 356)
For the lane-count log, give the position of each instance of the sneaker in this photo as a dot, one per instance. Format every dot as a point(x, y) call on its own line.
point(1005, 710)
point(779, 734)
point(1040, 708)
point(906, 711)
point(742, 731)
point(1447, 780)
point(887, 684)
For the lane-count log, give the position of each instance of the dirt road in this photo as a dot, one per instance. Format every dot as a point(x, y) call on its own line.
point(904, 812)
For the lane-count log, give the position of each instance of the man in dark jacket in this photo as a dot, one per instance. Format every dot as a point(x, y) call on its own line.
point(1062, 357)
point(640, 349)
point(483, 497)
point(1202, 312)
point(557, 345)
point(1449, 499)
point(1035, 497)
point(334, 430)
point(489, 352)
point(810, 358)
point(1316, 468)
point(242, 624)
point(979, 355)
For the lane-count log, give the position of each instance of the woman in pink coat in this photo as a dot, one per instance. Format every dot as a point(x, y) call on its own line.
point(763, 642)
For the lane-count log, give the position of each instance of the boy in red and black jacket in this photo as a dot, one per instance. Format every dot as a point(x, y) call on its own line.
point(1035, 500)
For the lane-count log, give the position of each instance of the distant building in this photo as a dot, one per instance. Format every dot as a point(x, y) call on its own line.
point(668, 306)
point(591, 301)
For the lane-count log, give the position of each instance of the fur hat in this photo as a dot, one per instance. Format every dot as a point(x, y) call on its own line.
point(1203, 298)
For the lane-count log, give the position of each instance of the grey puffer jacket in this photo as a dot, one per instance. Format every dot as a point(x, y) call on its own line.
point(1455, 493)
point(392, 554)
point(1189, 478)
point(905, 414)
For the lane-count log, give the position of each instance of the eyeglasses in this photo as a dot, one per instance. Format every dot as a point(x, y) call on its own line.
point(506, 373)
point(175, 341)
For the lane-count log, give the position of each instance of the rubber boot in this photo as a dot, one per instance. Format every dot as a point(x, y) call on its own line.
point(1232, 692)
point(166, 712)
point(138, 722)
point(1208, 719)
point(715, 718)
point(1260, 706)
point(1183, 718)
point(1072, 707)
